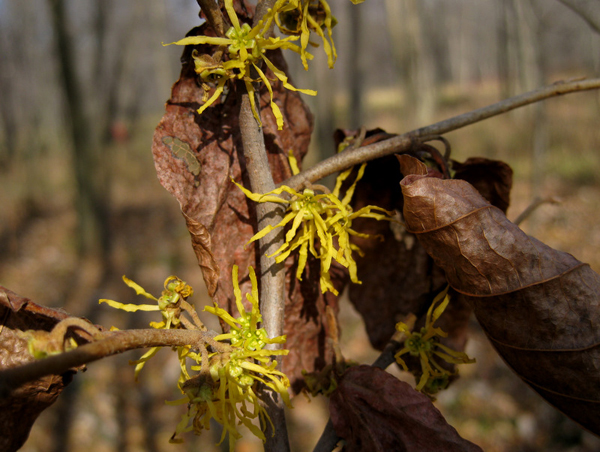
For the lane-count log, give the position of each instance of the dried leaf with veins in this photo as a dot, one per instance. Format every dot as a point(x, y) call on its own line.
point(397, 274)
point(539, 307)
point(219, 217)
point(21, 406)
point(402, 420)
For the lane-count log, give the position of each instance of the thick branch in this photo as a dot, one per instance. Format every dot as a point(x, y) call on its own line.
point(272, 275)
point(112, 343)
point(344, 160)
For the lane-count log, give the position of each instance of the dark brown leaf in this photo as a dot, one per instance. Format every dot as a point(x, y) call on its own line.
point(540, 307)
point(398, 277)
point(220, 218)
point(374, 411)
point(491, 178)
point(20, 408)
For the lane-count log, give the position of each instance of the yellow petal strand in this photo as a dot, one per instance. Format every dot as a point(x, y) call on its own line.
point(232, 15)
point(339, 180)
point(293, 162)
point(237, 293)
point(281, 76)
point(350, 191)
point(223, 314)
point(296, 224)
point(130, 307)
point(251, 96)
point(197, 40)
point(274, 106)
point(328, 25)
point(305, 35)
point(331, 57)
point(177, 402)
point(264, 231)
point(254, 286)
point(138, 289)
point(214, 97)
point(434, 313)
point(302, 258)
point(257, 197)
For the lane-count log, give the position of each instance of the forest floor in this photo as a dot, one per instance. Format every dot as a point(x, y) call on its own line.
point(106, 411)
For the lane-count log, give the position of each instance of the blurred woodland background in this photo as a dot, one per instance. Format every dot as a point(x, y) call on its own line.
point(82, 85)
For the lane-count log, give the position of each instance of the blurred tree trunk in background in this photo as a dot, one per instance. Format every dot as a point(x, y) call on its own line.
point(506, 54)
point(529, 27)
point(413, 56)
point(522, 67)
point(355, 71)
point(91, 197)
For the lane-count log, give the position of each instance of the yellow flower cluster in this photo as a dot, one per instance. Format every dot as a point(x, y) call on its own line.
point(323, 217)
point(170, 304)
point(301, 17)
point(246, 47)
point(231, 366)
point(426, 346)
point(228, 391)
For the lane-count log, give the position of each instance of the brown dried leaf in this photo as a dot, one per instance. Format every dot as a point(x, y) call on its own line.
point(491, 178)
point(374, 411)
point(398, 277)
point(538, 306)
point(201, 243)
point(220, 218)
point(20, 408)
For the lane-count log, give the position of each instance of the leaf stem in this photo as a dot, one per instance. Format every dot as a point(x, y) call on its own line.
point(404, 142)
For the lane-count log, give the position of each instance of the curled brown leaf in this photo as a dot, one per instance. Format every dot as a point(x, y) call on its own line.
point(540, 307)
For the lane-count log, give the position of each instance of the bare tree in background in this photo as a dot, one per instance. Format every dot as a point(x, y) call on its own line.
point(412, 54)
point(588, 10)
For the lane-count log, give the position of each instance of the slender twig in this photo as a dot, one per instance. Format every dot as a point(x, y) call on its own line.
point(110, 343)
point(272, 275)
point(404, 142)
point(537, 202)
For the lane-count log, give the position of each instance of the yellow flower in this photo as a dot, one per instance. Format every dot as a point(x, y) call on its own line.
point(426, 346)
point(230, 374)
point(246, 47)
point(319, 216)
point(300, 17)
point(227, 392)
point(170, 304)
point(244, 331)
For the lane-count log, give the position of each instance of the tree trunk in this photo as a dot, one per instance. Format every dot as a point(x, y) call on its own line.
point(90, 199)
